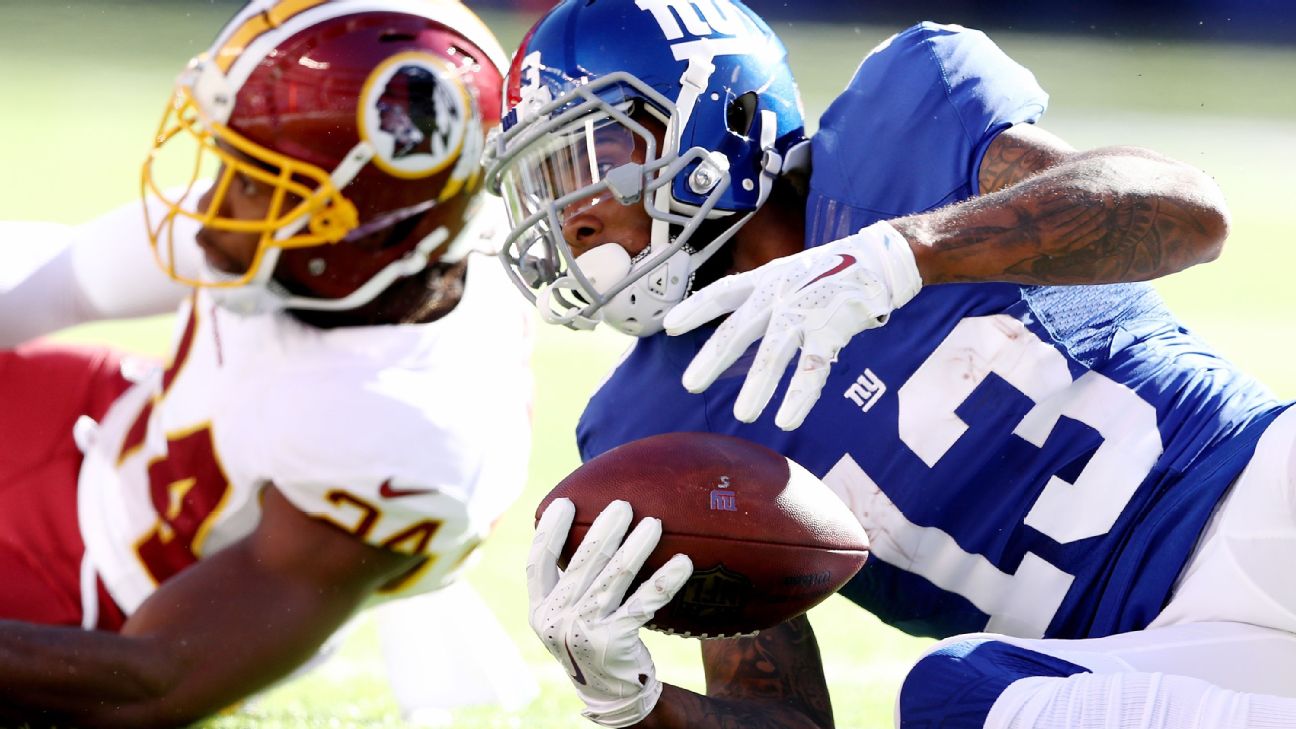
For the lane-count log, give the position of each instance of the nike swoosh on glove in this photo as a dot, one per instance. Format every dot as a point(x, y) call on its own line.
point(579, 614)
point(814, 301)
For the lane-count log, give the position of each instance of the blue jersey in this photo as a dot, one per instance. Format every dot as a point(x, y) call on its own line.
point(1036, 461)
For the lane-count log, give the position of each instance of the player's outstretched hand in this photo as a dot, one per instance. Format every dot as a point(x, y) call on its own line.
point(815, 301)
point(579, 614)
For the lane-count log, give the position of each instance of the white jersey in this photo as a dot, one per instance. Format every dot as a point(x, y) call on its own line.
point(410, 437)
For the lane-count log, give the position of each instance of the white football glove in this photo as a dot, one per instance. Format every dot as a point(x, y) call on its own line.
point(579, 615)
point(815, 300)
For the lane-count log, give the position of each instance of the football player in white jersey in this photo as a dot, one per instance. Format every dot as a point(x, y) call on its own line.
point(176, 537)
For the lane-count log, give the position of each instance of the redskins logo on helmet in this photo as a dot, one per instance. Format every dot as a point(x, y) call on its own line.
point(364, 121)
point(414, 111)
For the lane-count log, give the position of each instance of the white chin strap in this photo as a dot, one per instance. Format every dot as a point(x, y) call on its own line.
point(637, 310)
point(264, 294)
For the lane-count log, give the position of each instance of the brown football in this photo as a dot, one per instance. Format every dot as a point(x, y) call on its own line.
point(768, 540)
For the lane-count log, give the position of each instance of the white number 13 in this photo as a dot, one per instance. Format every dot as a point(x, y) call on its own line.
point(1021, 603)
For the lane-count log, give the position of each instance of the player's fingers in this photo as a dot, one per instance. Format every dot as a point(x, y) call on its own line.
point(598, 546)
point(818, 353)
point(724, 347)
point(782, 338)
point(612, 583)
point(657, 590)
point(546, 546)
point(707, 303)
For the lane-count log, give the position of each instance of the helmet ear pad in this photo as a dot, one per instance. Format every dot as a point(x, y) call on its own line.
point(335, 270)
point(721, 263)
point(416, 298)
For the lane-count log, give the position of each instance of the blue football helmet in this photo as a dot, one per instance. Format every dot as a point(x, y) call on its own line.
point(686, 107)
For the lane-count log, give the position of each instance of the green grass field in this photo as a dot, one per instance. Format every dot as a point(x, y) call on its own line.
point(85, 82)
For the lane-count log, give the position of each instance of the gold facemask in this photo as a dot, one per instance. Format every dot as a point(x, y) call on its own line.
point(306, 208)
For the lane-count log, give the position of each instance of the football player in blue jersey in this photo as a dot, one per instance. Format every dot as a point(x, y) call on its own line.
point(1087, 504)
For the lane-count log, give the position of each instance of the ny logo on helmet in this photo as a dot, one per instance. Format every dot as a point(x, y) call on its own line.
point(534, 93)
point(700, 18)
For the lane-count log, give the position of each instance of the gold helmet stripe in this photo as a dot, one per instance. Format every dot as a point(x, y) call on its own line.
point(258, 24)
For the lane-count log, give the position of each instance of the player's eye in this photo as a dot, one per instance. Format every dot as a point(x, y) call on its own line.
point(613, 149)
point(247, 186)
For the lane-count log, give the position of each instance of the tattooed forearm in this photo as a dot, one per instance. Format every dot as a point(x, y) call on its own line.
point(774, 679)
point(1096, 218)
point(1133, 240)
point(781, 663)
point(1078, 237)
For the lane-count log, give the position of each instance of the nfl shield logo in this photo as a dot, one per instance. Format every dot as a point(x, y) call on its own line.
point(712, 597)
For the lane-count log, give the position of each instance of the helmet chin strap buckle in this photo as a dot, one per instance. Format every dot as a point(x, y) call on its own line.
point(771, 162)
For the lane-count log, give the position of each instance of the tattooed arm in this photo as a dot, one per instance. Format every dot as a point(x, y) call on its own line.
point(1051, 215)
point(773, 679)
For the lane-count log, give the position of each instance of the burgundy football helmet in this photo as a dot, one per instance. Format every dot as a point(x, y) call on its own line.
point(366, 118)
